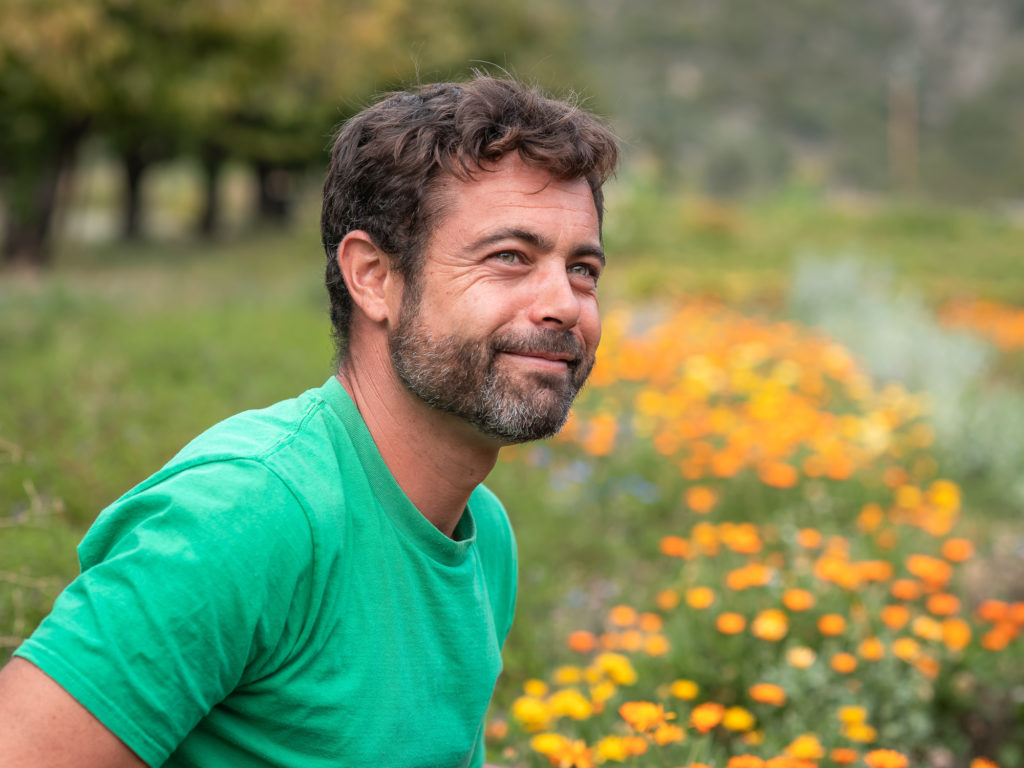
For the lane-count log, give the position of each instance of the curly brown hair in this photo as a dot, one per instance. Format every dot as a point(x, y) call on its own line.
point(388, 164)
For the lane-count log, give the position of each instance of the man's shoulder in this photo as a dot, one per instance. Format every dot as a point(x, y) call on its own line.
point(259, 433)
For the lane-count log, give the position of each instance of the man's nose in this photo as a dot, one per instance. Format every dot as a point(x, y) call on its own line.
point(555, 304)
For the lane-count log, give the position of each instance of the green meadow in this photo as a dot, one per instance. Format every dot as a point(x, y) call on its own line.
point(120, 354)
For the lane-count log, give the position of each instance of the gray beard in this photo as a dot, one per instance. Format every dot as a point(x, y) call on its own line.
point(463, 377)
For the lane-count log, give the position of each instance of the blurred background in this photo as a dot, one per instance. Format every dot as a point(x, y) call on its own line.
point(849, 170)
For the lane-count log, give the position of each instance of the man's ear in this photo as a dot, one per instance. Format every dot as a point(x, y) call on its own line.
point(367, 273)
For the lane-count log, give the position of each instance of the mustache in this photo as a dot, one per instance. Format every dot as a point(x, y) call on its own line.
point(543, 340)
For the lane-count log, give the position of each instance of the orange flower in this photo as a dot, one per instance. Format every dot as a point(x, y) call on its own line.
point(982, 762)
point(993, 610)
point(872, 649)
point(894, 616)
point(768, 693)
point(957, 550)
point(808, 538)
point(706, 716)
point(745, 761)
point(705, 537)
point(930, 570)
point(750, 575)
point(844, 663)
point(656, 645)
point(581, 641)
point(730, 623)
point(668, 734)
point(701, 499)
point(831, 624)
point(927, 666)
point(885, 758)
point(743, 538)
point(778, 474)
point(675, 546)
point(956, 634)
point(651, 622)
point(644, 716)
point(798, 599)
point(943, 604)
point(906, 648)
point(905, 589)
point(874, 570)
point(699, 598)
point(1000, 636)
point(843, 756)
point(631, 640)
point(667, 599)
point(770, 625)
point(622, 616)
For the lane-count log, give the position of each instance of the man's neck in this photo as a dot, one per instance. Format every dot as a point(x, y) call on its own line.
point(436, 459)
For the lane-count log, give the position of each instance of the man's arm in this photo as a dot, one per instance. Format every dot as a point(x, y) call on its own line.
point(43, 726)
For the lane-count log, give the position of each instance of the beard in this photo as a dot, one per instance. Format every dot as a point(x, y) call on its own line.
point(465, 377)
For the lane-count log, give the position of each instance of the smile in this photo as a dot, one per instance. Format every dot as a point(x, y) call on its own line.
point(543, 360)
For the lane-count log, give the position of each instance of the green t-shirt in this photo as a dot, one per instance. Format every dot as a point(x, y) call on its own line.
point(272, 597)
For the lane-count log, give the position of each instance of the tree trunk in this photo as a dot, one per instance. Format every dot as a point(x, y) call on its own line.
point(32, 197)
point(212, 159)
point(274, 194)
point(134, 165)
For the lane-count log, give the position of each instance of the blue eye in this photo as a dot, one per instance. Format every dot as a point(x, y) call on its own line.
point(584, 270)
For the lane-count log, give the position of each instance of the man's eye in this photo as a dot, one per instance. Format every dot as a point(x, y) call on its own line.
point(507, 257)
point(584, 270)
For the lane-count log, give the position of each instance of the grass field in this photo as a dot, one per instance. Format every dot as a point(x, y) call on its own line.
point(722, 432)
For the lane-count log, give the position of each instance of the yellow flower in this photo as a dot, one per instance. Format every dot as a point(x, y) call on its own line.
point(601, 692)
point(859, 732)
point(567, 675)
point(684, 689)
point(612, 748)
point(548, 743)
point(618, 668)
point(800, 657)
point(570, 703)
point(699, 597)
point(737, 719)
point(852, 714)
point(806, 747)
point(535, 687)
point(771, 625)
point(531, 712)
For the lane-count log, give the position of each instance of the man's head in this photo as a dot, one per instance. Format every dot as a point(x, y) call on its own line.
point(390, 163)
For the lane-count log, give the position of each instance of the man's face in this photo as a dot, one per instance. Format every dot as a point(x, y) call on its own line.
point(503, 324)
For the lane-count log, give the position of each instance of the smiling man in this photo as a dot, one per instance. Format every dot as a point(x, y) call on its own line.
point(326, 582)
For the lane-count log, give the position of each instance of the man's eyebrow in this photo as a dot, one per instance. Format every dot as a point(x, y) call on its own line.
point(536, 240)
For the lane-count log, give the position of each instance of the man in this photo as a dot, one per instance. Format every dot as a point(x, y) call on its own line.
point(325, 582)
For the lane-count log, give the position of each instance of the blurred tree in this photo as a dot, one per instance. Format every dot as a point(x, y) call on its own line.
point(256, 80)
point(52, 58)
point(721, 90)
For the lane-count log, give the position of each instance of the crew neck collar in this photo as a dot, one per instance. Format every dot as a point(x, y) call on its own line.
point(389, 494)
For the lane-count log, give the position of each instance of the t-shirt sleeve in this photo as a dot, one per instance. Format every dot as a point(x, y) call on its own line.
point(184, 594)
